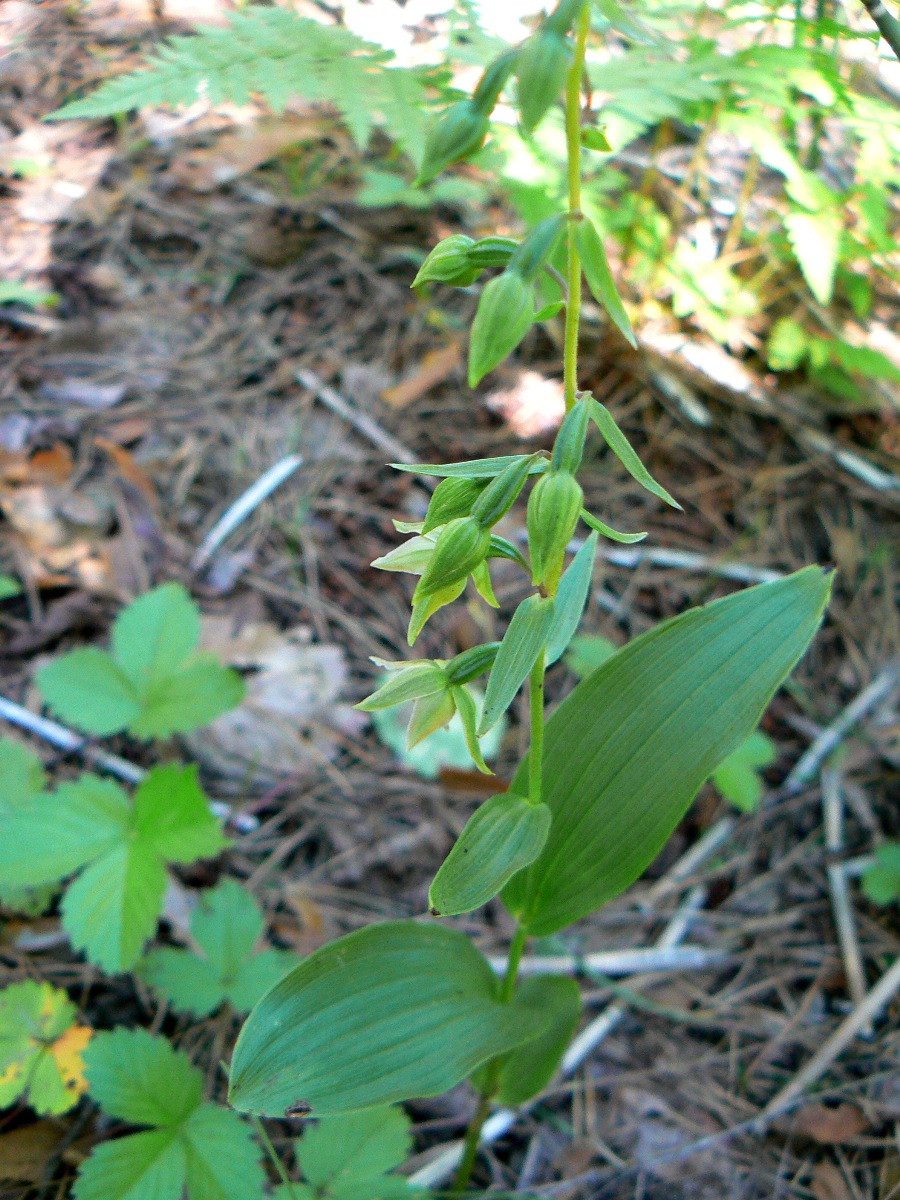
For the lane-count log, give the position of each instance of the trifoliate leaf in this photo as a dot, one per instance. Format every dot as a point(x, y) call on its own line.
point(41, 1048)
point(154, 683)
point(113, 906)
point(194, 1149)
point(738, 779)
point(226, 924)
point(21, 775)
point(881, 881)
point(356, 1146)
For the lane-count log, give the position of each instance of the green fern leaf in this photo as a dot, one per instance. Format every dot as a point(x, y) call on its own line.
point(274, 54)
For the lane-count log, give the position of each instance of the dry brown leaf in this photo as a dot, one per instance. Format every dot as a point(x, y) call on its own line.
point(829, 1126)
point(828, 1182)
point(24, 1152)
point(237, 152)
point(434, 368)
point(129, 469)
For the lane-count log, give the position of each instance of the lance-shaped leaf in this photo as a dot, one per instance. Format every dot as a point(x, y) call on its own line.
point(614, 535)
point(522, 643)
point(625, 453)
point(389, 1012)
point(627, 750)
point(599, 277)
point(476, 468)
point(571, 597)
point(528, 1069)
point(468, 716)
point(502, 836)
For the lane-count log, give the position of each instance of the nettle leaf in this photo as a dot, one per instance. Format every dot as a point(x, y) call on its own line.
point(815, 238)
point(154, 683)
point(193, 1148)
point(389, 1012)
point(226, 925)
point(41, 1047)
point(627, 750)
point(121, 848)
point(738, 779)
point(881, 881)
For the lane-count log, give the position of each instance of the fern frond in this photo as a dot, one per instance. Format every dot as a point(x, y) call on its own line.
point(276, 55)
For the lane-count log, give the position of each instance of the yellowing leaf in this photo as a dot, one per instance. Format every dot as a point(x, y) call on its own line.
point(41, 1048)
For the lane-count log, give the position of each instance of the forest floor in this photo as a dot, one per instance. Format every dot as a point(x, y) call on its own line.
point(200, 326)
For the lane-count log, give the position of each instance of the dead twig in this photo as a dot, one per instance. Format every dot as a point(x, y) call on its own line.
point(841, 906)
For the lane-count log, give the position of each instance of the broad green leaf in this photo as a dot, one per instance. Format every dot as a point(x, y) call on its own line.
point(193, 696)
point(389, 1012)
point(142, 1166)
point(737, 778)
point(881, 881)
point(172, 815)
point(627, 750)
point(112, 907)
point(625, 453)
point(354, 1146)
point(787, 345)
point(41, 1048)
point(815, 238)
point(571, 597)
point(502, 836)
point(225, 925)
point(21, 775)
point(142, 1079)
point(524, 640)
point(476, 468)
point(52, 835)
point(528, 1069)
point(87, 689)
point(614, 535)
point(599, 277)
point(222, 1162)
point(587, 652)
point(503, 317)
point(152, 636)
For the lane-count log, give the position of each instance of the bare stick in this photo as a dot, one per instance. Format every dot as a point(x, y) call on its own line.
point(888, 26)
point(862, 1016)
point(243, 507)
point(878, 690)
point(362, 422)
point(620, 962)
point(844, 920)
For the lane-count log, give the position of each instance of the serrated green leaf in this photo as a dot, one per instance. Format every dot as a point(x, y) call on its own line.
point(22, 775)
point(346, 1030)
point(528, 1069)
point(226, 925)
point(195, 695)
point(50, 836)
point(41, 1048)
point(141, 1078)
point(172, 815)
point(112, 907)
point(354, 1147)
point(787, 345)
point(881, 880)
point(152, 636)
point(625, 452)
point(627, 750)
point(142, 1166)
point(525, 638)
point(87, 689)
point(503, 835)
point(737, 778)
point(571, 597)
point(222, 1162)
point(815, 238)
point(599, 277)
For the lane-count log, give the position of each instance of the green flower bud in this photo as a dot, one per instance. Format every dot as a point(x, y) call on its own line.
point(538, 246)
point(553, 511)
point(502, 319)
point(492, 82)
point(460, 546)
point(413, 556)
point(453, 497)
point(492, 251)
point(541, 71)
point(471, 663)
point(569, 445)
point(500, 494)
point(458, 133)
point(449, 263)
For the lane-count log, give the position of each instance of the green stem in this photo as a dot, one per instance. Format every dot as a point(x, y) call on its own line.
point(573, 157)
point(536, 740)
point(270, 1150)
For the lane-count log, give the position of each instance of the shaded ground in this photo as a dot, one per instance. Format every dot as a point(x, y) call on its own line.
point(168, 372)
